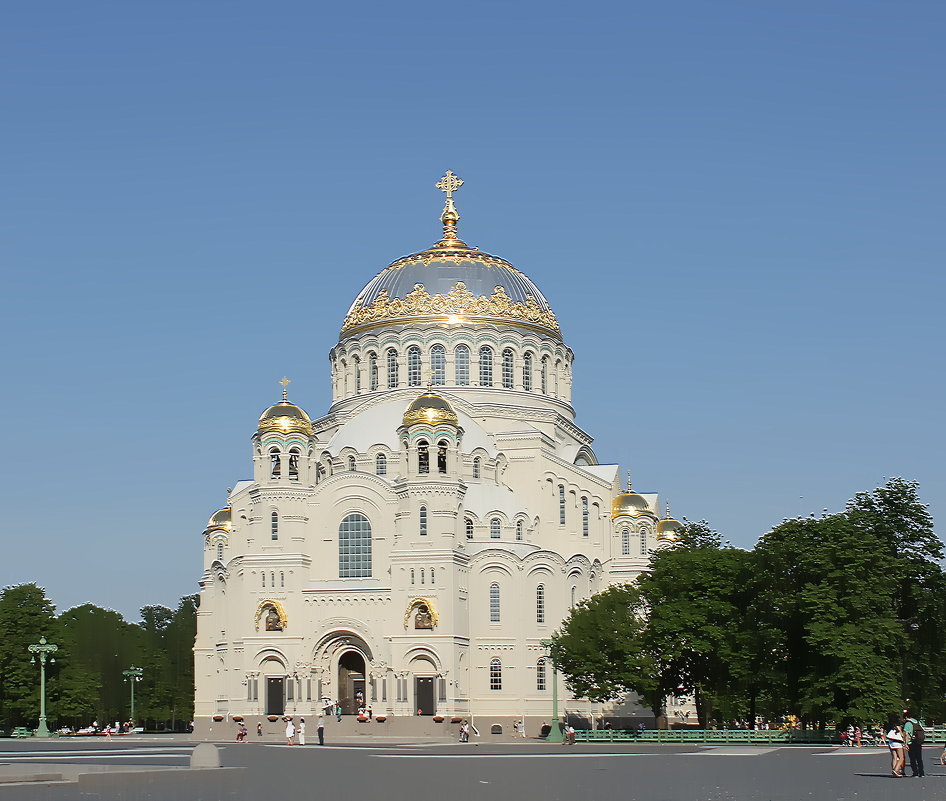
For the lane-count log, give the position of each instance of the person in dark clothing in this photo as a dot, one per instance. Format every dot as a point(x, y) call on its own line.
point(914, 736)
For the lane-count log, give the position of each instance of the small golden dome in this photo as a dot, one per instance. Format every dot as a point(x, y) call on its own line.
point(221, 519)
point(285, 417)
point(668, 528)
point(629, 503)
point(430, 408)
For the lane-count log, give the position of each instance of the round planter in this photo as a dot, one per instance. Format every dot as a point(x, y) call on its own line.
point(456, 720)
point(237, 718)
point(381, 718)
point(272, 718)
point(438, 719)
point(218, 718)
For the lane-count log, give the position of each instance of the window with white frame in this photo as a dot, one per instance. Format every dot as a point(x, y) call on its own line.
point(354, 547)
point(351, 464)
point(413, 366)
point(219, 551)
point(373, 371)
point(438, 365)
point(412, 575)
point(584, 517)
point(540, 604)
point(468, 526)
point(540, 683)
point(643, 542)
point(561, 504)
point(486, 366)
point(494, 603)
point(356, 366)
point(545, 375)
point(476, 466)
point(392, 368)
point(495, 674)
point(423, 523)
point(274, 525)
point(462, 367)
point(519, 530)
point(527, 372)
point(508, 368)
point(495, 528)
point(381, 464)
point(625, 542)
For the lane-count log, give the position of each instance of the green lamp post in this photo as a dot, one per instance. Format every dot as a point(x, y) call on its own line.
point(555, 733)
point(44, 651)
point(133, 676)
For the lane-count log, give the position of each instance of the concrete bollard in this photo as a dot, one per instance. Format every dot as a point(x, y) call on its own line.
point(205, 755)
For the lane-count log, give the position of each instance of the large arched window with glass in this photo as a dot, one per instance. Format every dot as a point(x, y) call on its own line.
point(643, 542)
point(495, 674)
point(413, 366)
point(220, 551)
point(486, 366)
point(477, 462)
point(495, 528)
point(354, 547)
point(274, 525)
point(540, 682)
point(508, 367)
point(356, 366)
point(462, 366)
point(468, 528)
point(519, 528)
point(561, 504)
point(381, 464)
point(352, 465)
point(540, 604)
point(584, 517)
point(625, 542)
point(423, 456)
point(392, 368)
point(422, 526)
point(545, 375)
point(438, 365)
point(373, 371)
point(494, 603)
point(527, 372)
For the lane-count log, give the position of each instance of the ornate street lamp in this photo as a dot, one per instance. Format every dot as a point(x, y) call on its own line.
point(555, 733)
point(132, 676)
point(44, 651)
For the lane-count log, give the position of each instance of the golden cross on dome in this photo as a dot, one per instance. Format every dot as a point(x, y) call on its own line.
point(285, 383)
point(450, 183)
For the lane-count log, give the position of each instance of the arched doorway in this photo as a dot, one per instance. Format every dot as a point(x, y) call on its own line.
point(351, 682)
point(425, 675)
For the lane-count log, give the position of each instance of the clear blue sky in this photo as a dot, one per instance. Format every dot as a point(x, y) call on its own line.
point(735, 208)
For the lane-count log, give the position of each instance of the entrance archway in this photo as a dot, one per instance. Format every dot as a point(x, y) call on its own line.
point(352, 692)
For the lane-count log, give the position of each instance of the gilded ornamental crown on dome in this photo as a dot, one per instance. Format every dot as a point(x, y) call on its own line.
point(451, 283)
point(285, 417)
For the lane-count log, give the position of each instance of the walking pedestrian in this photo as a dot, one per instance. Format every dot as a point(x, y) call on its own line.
point(301, 731)
point(259, 729)
point(895, 744)
point(290, 731)
point(321, 729)
point(915, 737)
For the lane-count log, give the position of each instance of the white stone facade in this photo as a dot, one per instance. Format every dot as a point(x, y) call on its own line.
point(419, 561)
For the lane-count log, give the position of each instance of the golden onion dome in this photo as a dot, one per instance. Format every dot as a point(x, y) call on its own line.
point(432, 409)
point(221, 520)
point(668, 528)
point(451, 283)
point(629, 503)
point(285, 417)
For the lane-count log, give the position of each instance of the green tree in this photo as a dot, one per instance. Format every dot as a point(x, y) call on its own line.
point(26, 614)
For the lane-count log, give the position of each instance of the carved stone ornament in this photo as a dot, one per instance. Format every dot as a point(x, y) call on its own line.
point(426, 616)
point(273, 615)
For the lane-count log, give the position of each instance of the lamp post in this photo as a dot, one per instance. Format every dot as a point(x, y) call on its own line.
point(44, 651)
point(555, 733)
point(132, 676)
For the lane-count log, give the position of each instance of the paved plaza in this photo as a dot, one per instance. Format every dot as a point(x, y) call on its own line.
point(507, 771)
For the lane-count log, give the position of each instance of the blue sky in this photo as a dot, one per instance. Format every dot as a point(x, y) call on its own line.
point(735, 209)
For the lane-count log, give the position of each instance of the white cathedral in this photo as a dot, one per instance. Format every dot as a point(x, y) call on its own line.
point(411, 550)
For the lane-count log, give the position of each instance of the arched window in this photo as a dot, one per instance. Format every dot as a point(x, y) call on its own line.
point(545, 375)
point(372, 371)
point(264, 579)
point(381, 464)
point(643, 542)
point(438, 365)
point(574, 591)
point(354, 547)
point(272, 579)
point(468, 525)
point(422, 576)
point(442, 456)
point(274, 462)
point(356, 366)
point(423, 527)
point(625, 542)
point(518, 529)
point(274, 525)
point(344, 367)
point(462, 356)
point(219, 551)
point(540, 684)
point(540, 604)
point(392, 368)
point(584, 517)
point(294, 464)
point(282, 579)
point(507, 369)
point(423, 457)
point(494, 603)
point(561, 504)
point(527, 372)
point(495, 528)
point(495, 674)
point(431, 575)
point(412, 575)
point(413, 366)
point(351, 464)
point(476, 466)
point(486, 366)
